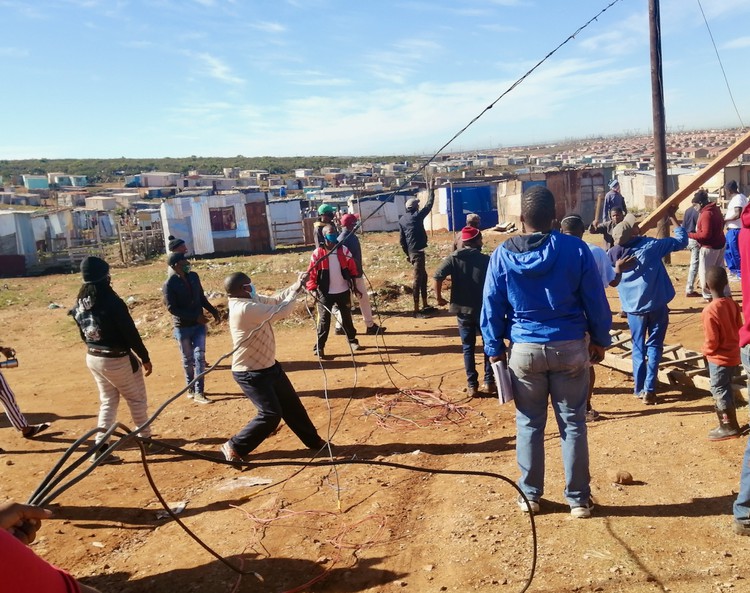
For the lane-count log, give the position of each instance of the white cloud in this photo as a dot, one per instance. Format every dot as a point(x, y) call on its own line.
point(628, 35)
point(389, 120)
point(397, 64)
point(268, 27)
point(738, 43)
point(216, 68)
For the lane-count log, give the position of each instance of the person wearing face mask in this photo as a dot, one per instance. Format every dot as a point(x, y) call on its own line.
point(256, 370)
point(185, 300)
point(331, 275)
point(116, 355)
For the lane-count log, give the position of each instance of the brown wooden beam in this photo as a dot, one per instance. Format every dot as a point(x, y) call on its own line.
point(709, 171)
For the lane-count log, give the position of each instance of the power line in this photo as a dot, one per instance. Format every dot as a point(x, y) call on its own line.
point(718, 57)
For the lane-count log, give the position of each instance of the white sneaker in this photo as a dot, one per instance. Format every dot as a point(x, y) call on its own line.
point(532, 507)
point(582, 512)
point(354, 346)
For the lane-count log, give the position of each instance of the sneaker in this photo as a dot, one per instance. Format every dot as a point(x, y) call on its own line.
point(152, 448)
point(582, 512)
point(230, 454)
point(354, 345)
point(692, 294)
point(418, 315)
point(374, 330)
point(734, 278)
point(740, 528)
point(190, 394)
point(472, 390)
point(649, 398)
point(592, 415)
point(31, 431)
point(639, 395)
point(200, 398)
point(320, 353)
point(339, 331)
point(320, 445)
point(490, 388)
point(532, 507)
point(105, 459)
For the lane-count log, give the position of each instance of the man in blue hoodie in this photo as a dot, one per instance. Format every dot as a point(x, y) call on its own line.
point(543, 292)
point(645, 292)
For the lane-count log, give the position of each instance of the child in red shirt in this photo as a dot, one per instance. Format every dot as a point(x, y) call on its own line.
point(721, 324)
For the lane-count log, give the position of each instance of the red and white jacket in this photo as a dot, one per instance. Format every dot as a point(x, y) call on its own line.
point(318, 278)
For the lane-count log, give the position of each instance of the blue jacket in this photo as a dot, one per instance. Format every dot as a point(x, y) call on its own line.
point(543, 288)
point(647, 287)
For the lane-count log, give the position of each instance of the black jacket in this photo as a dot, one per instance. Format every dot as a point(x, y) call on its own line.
point(413, 236)
point(186, 300)
point(108, 325)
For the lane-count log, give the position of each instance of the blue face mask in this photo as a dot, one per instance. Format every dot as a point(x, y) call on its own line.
point(332, 238)
point(251, 290)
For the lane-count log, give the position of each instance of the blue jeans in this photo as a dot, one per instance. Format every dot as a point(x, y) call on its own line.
point(557, 371)
point(275, 398)
point(741, 508)
point(732, 254)
point(721, 386)
point(468, 327)
point(648, 331)
point(192, 342)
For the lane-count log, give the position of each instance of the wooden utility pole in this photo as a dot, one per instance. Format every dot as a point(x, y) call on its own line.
point(657, 107)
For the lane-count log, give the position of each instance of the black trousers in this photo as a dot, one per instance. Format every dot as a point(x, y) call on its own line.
point(325, 304)
point(275, 398)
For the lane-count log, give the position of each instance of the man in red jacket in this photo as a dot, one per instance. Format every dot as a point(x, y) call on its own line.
point(331, 276)
point(709, 233)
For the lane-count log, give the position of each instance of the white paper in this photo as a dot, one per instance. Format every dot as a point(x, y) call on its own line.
point(503, 382)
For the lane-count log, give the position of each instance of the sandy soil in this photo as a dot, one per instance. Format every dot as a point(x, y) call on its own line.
point(349, 527)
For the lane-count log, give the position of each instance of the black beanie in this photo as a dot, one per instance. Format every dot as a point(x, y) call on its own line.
point(175, 258)
point(174, 243)
point(94, 269)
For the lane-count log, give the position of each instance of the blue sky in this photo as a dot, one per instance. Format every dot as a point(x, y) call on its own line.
point(156, 78)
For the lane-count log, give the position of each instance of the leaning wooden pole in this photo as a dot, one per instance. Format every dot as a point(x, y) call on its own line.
point(734, 151)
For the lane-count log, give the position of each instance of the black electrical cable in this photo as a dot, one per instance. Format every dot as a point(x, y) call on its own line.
point(723, 72)
point(334, 464)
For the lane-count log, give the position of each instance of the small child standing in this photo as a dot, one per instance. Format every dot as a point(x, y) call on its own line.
point(721, 325)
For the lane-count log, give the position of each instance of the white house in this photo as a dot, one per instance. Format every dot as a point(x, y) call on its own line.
point(225, 223)
point(286, 221)
point(378, 212)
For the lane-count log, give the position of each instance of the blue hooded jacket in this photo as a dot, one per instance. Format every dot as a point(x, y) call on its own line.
point(647, 287)
point(543, 288)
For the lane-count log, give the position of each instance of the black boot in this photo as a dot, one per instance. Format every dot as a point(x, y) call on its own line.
point(728, 427)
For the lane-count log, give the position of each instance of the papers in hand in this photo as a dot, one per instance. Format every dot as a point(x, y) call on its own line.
point(502, 380)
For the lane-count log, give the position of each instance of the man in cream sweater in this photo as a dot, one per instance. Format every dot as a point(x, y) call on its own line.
point(256, 370)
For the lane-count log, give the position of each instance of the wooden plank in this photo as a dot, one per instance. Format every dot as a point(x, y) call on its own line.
point(713, 167)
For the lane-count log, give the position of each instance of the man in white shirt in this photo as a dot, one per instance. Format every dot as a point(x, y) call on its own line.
point(737, 203)
point(256, 370)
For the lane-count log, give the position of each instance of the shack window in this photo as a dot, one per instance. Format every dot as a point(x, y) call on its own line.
point(222, 219)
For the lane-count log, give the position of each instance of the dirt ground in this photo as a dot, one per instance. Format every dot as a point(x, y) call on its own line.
point(359, 527)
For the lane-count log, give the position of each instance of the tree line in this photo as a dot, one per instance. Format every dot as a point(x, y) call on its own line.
point(110, 170)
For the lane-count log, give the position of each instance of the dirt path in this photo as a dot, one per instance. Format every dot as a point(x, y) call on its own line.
point(367, 527)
